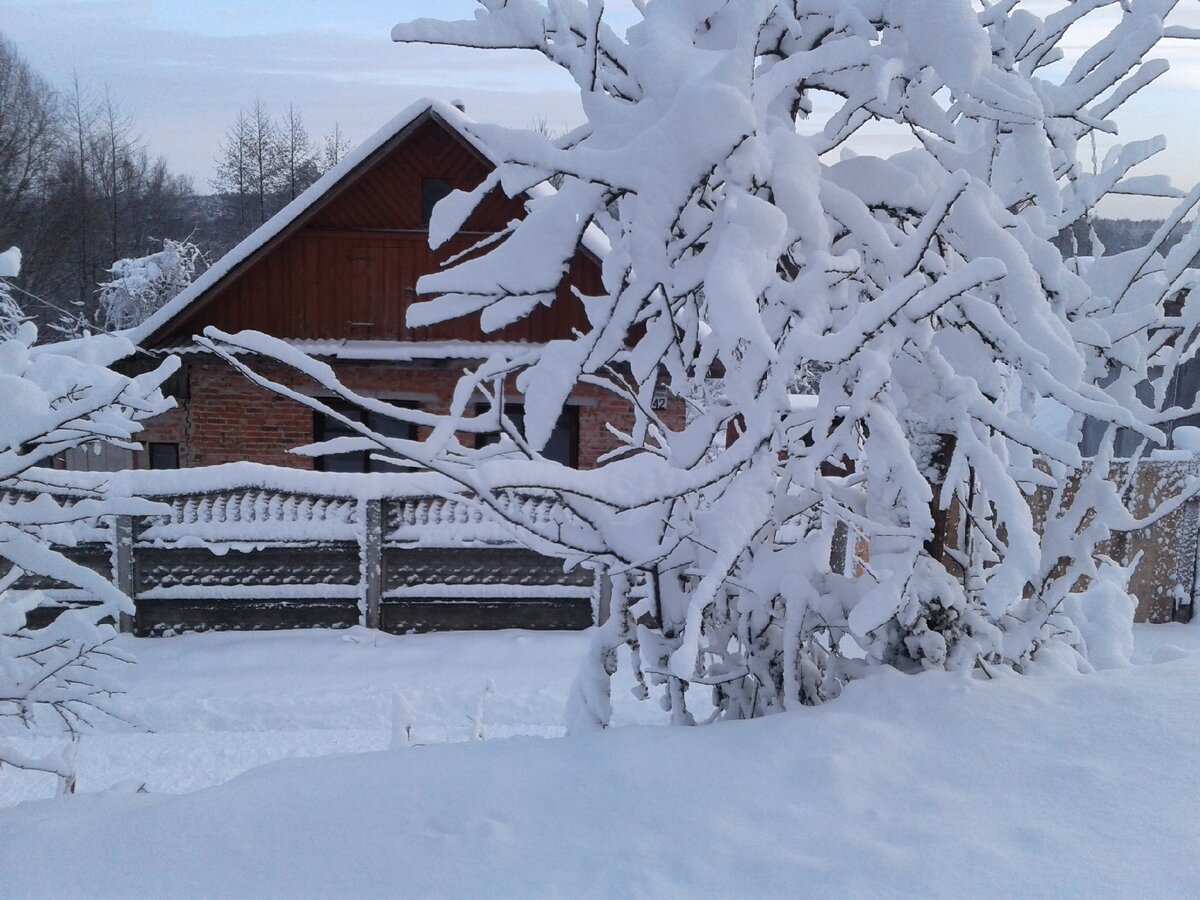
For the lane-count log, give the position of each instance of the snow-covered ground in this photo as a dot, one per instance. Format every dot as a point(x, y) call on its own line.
point(213, 705)
point(940, 785)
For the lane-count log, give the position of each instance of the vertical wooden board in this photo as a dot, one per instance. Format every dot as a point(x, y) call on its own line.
point(234, 311)
point(308, 270)
point(291, 285)
point(329, 279)
point(295, 287)
point(405, 278)
point(391, 291)
point(354, 292)
point(334, 265)
point(379, 310)
point(340, 271)
point(270, 288)
point(315, 265)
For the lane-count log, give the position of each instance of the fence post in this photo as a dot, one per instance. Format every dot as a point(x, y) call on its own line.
point(123, 567)
point(601, 596)
point(372, 562)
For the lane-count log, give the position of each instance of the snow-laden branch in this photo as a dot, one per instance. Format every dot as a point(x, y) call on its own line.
point(863, 345)
point(55, 678)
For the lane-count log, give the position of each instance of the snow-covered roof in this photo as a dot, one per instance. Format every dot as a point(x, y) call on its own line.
point(274, 226)
point(450, 115)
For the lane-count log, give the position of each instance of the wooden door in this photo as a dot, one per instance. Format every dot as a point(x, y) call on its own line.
point(360, 294)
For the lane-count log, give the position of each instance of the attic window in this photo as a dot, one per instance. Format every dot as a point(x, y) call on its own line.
point(432, 190)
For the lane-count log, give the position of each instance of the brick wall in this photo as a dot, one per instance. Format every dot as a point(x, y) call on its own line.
point(223, 417)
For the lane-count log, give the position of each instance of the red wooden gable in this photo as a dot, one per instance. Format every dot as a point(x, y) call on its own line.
point(346, 268)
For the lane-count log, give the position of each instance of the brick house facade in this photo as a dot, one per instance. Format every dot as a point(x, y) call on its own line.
point(334, 273)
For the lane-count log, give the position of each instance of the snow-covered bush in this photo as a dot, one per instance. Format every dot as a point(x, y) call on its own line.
point(51, 400)
point(140, 286)
point(748, 250)
point(11, 315)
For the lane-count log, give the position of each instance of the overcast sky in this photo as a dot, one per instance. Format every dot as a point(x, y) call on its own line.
point(183, 68)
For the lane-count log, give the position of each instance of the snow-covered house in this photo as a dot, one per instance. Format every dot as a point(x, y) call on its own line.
point(334, 273)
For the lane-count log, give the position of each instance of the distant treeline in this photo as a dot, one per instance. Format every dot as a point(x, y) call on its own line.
point(1117, 236)
point(81, 189)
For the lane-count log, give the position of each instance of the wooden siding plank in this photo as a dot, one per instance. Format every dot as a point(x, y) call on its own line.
point(304, 287)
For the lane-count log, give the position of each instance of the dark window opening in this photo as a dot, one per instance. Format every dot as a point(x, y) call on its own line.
point(164, 456)
point(326, 428)
point(432, 190)
point(563, 445)
point(58, 461)
point(176, 385)
point(1181, 391)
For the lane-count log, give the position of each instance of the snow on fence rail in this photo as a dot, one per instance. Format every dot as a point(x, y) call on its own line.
point(246, 546)
point(249, 546)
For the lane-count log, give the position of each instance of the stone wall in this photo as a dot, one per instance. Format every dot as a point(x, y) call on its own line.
point(1164, 581)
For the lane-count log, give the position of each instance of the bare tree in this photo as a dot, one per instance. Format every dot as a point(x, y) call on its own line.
point(263, 149)
point(28, 133)
point(336, 146)
point(234, 167)
point(75, 162)
point(78, 189)
point(298, 157)
point(113, 150)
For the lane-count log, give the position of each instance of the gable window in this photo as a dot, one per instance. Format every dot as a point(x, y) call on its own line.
point(563, 446)
point(326, 428)
point(432, 190)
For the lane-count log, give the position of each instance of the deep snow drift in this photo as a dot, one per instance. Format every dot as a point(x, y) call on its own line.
point(938, 784)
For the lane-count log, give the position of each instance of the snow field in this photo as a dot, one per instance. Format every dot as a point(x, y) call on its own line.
point(940, 785)
point(214, 705)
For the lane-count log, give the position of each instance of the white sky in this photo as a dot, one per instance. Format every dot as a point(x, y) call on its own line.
point(183, 68)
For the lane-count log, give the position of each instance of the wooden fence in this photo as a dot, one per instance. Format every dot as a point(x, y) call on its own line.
point(260, 556)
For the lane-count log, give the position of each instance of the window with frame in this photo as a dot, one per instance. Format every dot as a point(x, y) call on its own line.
point(163, 456)
point(563, 446)
point(326, 428)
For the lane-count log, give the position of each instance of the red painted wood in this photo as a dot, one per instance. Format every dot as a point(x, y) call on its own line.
point(350, 269)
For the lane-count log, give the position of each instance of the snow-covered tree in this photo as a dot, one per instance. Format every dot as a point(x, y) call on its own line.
point(138, 287)
point(11, 315)
point(749, 249)
point(54, 678)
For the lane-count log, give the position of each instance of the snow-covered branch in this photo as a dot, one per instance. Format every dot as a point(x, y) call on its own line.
point(920, 297)
point(56, 677)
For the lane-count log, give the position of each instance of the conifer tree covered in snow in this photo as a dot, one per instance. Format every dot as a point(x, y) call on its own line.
point(138, 287)
point(54, 678)
point(748, 251)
